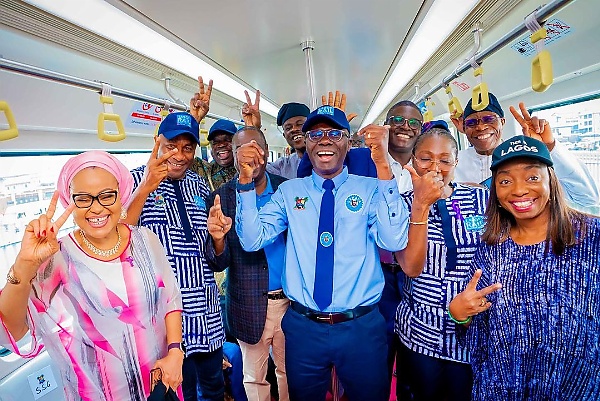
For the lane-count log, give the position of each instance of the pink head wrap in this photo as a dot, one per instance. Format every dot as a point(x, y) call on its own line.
point(95, 158)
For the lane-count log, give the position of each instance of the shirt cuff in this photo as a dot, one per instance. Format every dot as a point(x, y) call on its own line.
point(246, 200)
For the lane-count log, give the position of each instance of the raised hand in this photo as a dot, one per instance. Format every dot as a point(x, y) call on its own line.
point(39, 241)
point(427, 187)
point(157, 168)
point(376, 139)
point(251, 112)
point(218, 224)
point(248, 158)
point(534, 127)
point(339, 103)
point(200, 103)
point(458, 121)
point(470, 302)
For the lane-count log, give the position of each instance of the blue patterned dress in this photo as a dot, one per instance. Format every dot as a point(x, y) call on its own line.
point(540, 340)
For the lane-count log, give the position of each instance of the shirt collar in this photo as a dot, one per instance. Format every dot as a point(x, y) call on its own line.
point(337, 180)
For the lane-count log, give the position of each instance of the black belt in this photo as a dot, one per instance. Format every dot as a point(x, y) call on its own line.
point(276, 295)
point(393, 267)
point(332, 317)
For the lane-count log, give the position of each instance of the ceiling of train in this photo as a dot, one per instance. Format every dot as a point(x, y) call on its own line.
point(357, 44)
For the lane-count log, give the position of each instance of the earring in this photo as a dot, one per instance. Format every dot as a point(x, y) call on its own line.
point(123, 214)
point(499, 205)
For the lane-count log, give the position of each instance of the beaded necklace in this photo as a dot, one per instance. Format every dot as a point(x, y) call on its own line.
point(101, 252)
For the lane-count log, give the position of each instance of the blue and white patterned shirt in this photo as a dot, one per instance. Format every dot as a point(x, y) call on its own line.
point(202, 324)
point(421, 319)
point(368, 213)
point(540, 340)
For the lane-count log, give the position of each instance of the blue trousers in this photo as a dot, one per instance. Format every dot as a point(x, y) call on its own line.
point(204, 370)
point(433, 379)
point(357, 348)
point(234, 375)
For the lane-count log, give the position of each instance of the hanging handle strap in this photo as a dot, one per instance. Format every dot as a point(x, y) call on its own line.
point(428, 115)
point(542, 75)
point(109, 115)
point(12, 131)
point(454, 105)
point(163, 113)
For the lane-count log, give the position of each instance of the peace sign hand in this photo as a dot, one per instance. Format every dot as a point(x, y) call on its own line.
point(534, 127)
point(251, 112)
point(218, 224)
point(427, 188)
point(338, 103)
point(156, 169)
point(199, 104)
point(39, 241)
point(471, 302)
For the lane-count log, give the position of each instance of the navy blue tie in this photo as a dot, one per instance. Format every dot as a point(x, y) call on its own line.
point(324, 267)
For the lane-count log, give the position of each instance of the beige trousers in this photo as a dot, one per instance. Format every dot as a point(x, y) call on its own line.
point(255, 357)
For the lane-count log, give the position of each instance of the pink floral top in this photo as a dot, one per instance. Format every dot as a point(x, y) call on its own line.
point(102, 322)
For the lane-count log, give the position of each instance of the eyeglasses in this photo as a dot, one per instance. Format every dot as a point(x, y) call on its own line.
point(426, 163)
point(413, 123)
point(334, 135)
point(473, 122)
point(106, 198)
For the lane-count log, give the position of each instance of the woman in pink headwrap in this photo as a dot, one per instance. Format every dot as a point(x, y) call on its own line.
point(103, 299)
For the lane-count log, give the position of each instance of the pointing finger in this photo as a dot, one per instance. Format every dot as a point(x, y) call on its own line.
point(154, 153)
point(489, 289)
point(167, 155)
point(518, 117)
point(524, 111)
point(474, 280)
point(63, 217)
point(217, 202)
point(52, 206)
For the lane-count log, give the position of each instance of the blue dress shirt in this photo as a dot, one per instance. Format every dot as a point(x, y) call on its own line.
point(368, 213)
point(275, 252)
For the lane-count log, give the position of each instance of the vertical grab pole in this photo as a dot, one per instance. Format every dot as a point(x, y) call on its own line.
point(307, 47)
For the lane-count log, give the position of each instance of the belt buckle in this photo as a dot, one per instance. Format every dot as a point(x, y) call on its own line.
point(328, 318)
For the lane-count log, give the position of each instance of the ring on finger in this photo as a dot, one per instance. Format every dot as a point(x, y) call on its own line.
point(483, 302)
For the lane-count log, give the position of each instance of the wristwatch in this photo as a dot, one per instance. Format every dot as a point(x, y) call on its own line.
point(178, 346)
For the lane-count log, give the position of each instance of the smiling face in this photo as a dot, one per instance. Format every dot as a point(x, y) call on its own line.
point(220, 147)
point(484, 136)
point(248, 135)
point(402, 137)
point(183, 159)
point(436, 153)
point(326, 156)
point(292, 131)
point(523, 189)
point(96, 220)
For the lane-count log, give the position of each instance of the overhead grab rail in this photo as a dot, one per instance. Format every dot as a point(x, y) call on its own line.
point(543, 14)
point(541, 65)
point(26, 69)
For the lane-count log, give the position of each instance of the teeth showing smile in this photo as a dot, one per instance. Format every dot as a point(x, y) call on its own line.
point(98, 220)
point(325, 153)
point(523, 205)
point(297, 137)
point(484, 137)
point(176, 164)
point(403, 136)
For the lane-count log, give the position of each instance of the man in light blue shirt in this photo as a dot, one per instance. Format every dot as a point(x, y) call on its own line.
point(348, 331)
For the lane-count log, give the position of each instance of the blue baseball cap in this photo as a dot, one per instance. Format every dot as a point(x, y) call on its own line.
point(521, 146)
point(221, 127)
point(176, 124)
point(327, 114)
point(493, 106)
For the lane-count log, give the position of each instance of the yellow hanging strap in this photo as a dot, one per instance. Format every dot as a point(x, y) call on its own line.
point(109, 115)
point(428, 115)
point(481, 95)
point(203, 135)
point(454, 106)
point(163, 113)
point(12, 131)
point(541, 65)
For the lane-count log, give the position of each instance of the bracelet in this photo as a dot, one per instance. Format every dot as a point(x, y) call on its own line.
point(417, 223)
point(244, 187)
point(11, 279)
point(467, 320)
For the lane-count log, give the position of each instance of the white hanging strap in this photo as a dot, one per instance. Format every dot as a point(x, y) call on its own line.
point(106, 99)
point(538, 34)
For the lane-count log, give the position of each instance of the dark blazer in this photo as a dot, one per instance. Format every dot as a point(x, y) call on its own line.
point(247, 276)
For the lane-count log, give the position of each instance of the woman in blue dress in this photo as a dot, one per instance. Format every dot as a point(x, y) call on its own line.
point(533, 303)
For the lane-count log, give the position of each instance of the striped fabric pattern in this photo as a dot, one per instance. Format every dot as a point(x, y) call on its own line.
point(421, 319)
point(202, 323)
point(540, 340)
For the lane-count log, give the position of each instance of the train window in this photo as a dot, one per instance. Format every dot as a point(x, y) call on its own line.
point(26, 187)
